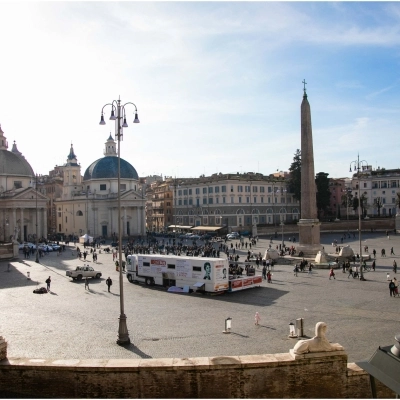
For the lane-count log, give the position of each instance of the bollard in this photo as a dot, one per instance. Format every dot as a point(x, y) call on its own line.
point(300, 327)
point(28, 274)
point(8, 267)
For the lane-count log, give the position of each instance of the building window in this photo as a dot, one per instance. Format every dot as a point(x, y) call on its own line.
point(204, 200)
point(18, 184)
point(223, 189)
point(179, 202)
point(262, 189)
point(210, 190)
point(122, 186)
point(232, 199)
point(255, 189)
point(262, 199)
point(190, 192)
point(247, 199)
point(210, 200)
point(217, 200)
point(217, 221)
point(204, 190)
point(190, 202)
point(216, 189)
point(255, 199)
point(240, 199)
point(240, 189)
point(185, 192)
point(197, 191)
point(269, 199)
point(224, 200)
point(247, 189)
point(269, 189)
point(185, 202)
point(103, 187)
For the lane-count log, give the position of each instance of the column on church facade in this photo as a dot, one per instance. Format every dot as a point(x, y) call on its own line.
point(14, 225)
point(22, 225)
point(124, 232)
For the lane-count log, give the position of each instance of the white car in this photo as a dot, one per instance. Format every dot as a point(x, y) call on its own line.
point(45, 247)
point(232, 236)
point(29, 244)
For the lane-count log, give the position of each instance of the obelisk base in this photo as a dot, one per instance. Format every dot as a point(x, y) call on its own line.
point(309, 238)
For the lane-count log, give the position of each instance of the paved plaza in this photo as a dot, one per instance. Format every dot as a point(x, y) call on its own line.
point(74, 323)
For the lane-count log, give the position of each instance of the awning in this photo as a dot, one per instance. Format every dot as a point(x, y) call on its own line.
point(179, 227)
point(206, 228)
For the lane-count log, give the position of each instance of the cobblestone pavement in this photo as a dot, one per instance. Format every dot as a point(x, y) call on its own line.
point(74, 323)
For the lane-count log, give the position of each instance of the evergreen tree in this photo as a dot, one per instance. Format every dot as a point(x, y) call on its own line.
point(295, 176)
point(323, 192)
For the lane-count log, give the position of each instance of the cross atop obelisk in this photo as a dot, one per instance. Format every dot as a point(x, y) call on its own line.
point(309, 225)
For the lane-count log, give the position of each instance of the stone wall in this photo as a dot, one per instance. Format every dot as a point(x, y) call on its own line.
point(259, 376)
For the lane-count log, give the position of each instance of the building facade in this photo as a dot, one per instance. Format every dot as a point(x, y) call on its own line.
point(23, 209)
point(90, 204)
point(235, 201)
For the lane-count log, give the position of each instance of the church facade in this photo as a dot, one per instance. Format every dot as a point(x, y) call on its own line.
point(89, 204)
point(23, 209)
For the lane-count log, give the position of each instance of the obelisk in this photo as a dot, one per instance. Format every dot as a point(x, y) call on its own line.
point(309, 225)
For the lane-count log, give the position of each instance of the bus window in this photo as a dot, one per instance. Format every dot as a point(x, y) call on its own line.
point(146, 264)
point(171, 266)
point(197, 269)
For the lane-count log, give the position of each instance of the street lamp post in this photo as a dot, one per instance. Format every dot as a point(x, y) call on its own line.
point(123, 335)
point(282, 225)
point(37, 250)
point(357, 163)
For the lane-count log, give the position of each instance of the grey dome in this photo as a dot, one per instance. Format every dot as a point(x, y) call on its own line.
point(107, 168)
point(14, 164)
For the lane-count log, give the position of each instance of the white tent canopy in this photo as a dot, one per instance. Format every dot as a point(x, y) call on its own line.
point(86, 238)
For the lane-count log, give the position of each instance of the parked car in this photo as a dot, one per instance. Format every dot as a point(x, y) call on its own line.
point(29, 244)
point(83, 272)
point(232, 236)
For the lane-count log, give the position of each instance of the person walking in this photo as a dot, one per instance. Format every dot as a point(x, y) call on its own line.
point(373, 265)
point(309, 269)
point(109, 283)
point(48, 281)
point(396, 287)
point(392, 252)
point(264, 272)
point(391, 289)
point(395, 266)
point(269, 277)
point(296, 270)
point(374, 253)
point(350, 271)
point(87, 283)
point(331, 274)
point(257, 319)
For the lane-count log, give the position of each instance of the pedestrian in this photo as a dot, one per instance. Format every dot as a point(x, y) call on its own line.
point(396, 287)
point(392, 252)
point(109, 283)
point(383, 253)
point(264, 272)
point(395, 266)
point(391, 289)
point(309, 269)
point(87, 283)
point(257, 319)
point(374, 253)
point(48, 281)
point(296, 270)
point(373, 265)
point(331, 273)
point(269, 277)
point(388, 276)
point(350, 271)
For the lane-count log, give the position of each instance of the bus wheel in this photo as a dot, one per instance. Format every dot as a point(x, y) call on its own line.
point(148, 281)
point(130, 279)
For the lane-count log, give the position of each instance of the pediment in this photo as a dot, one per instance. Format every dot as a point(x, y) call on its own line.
point(28, 194)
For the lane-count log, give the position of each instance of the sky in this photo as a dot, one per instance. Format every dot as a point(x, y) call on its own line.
point(218, 85)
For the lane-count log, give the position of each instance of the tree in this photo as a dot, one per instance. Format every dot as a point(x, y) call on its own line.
point(323, 192)
point(378, 204)
point(398, 199)
point(347, 200)
point(295, 176)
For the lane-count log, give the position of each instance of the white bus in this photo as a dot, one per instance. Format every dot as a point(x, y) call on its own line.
point(201, 273)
